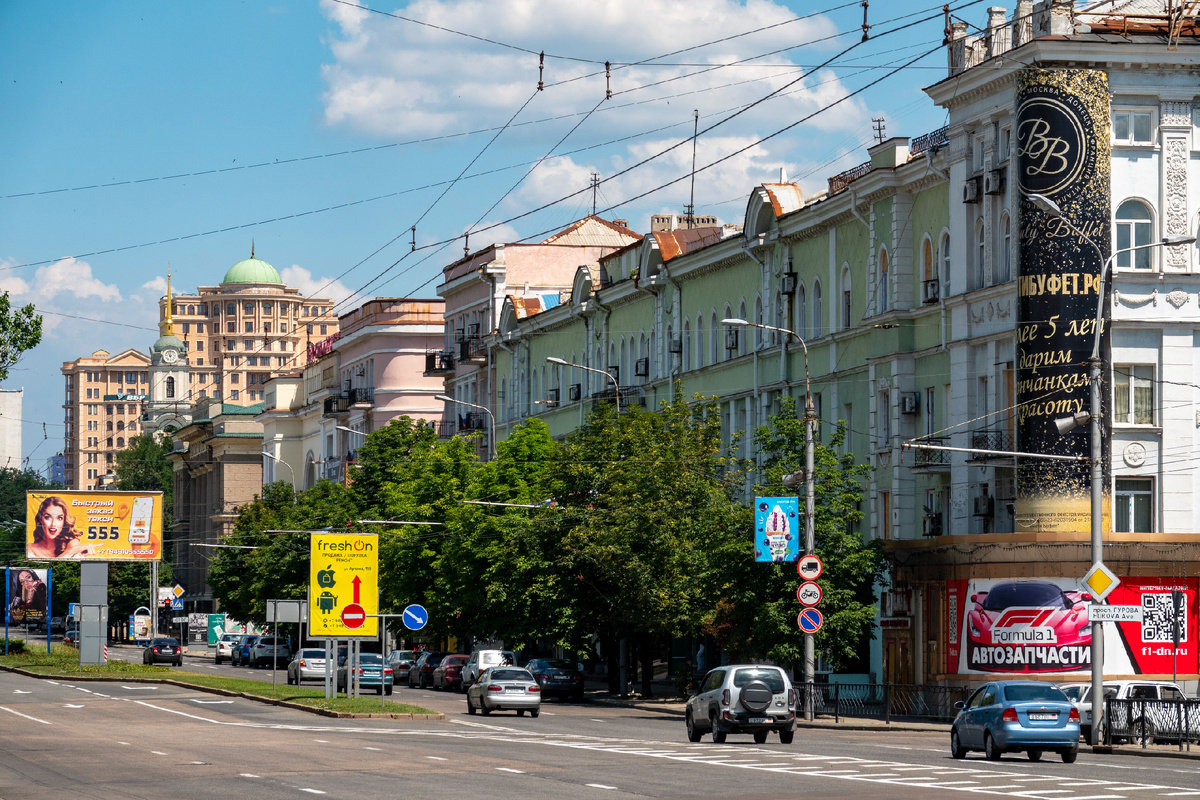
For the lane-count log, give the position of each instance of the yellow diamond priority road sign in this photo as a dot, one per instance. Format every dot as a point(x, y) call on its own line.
point(343, 585)
point(1100, 581)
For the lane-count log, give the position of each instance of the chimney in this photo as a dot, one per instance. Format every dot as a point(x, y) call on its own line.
point(1022, 23)
point(957, 49)
point(997, 32)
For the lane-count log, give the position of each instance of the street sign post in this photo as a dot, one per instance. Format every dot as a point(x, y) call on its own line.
point(1099, 613)
point(1100, 581)
point(344, 585)
point(809, 593)
point(810, 620)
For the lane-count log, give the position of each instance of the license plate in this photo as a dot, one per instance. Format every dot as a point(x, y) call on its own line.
point(513, 690)
point(759, 720)
point(1042, 717)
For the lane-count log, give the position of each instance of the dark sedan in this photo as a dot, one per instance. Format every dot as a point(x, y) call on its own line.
point(557, 677)
point(421, 673)
point(448, 673)
point(163, 650)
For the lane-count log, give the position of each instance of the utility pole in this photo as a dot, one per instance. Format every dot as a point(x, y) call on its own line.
point(695, 135)
point(595, 185)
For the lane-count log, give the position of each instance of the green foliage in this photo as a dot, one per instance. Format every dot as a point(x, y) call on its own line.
point(14, 483)
point(20, 330)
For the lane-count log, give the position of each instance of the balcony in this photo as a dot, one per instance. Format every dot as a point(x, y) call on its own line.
point(474, 421)
point(338, 404)
point(630, 395)
point(439, 362)
point(333, 469)
point(362, 397)
point(932, 460)
point(472, 350)
point(442, 428)
point(931, 524)
point(991, 439)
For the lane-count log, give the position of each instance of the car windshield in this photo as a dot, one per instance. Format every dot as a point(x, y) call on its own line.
point(558, 663)
point(268, 641)
point(165, 641)
point(1073, 693)
point(454, 661)
point(312, 653)
point(509, 675)
point(773, 678)
point(370, 658)
point(496, 658)
point(1041, 595)
point(401, 655)
point(1034, 692)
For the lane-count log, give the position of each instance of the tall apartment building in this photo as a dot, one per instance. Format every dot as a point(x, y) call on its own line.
point(237, 335)
point(10, 428)
point(105, 397)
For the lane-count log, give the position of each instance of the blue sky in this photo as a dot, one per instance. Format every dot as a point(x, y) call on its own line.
point(140, 135)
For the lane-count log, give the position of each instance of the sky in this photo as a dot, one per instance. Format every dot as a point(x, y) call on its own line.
point(142, 138)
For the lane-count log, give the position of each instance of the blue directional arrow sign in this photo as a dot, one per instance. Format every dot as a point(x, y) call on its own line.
point(415, 617)
point(810, 620)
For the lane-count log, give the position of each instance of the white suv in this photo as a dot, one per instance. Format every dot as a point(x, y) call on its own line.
point(1081, 695)
point(485, 659)
point(743, 698)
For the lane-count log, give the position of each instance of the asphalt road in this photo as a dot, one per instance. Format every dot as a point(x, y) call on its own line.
point(60, 739)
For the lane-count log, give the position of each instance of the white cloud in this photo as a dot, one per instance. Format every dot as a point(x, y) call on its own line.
point(484, 238)
point(157, 284)
point(343, 298)
point(72, 277)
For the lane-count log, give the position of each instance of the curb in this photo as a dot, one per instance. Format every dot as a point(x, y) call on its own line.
point(323, 712)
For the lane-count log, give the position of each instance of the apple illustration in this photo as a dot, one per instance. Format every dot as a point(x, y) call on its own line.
point(325, 577)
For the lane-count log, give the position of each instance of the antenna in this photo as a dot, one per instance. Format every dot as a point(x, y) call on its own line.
point(695, 134)
point(880, 129)
point(595, 185)
point(414, 239)
point(466, 244)
point(541, 68)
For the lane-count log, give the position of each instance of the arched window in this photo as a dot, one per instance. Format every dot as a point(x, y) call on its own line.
point(1005, 260)
point(758, 319)
point(503, 399)
point(687, 345)
point(927, 267)
point(742, 344)
point(944, 254)
point(715, 345)
point(613, 367)
point(801, 313)
point(120, 441)
point(980, 247)
point(120, 424)
point(1134, 225)
point(882, 300)
point(847, 298)
point(699, 341)
point(818, 315)
point(170, 387)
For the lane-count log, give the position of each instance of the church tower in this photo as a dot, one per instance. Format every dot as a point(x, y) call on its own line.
point(170, 403)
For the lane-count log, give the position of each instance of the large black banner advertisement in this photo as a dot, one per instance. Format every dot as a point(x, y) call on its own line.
point(1063, 154)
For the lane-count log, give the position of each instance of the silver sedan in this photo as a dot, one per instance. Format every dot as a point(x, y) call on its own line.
point(505, 689)
point(308, 665)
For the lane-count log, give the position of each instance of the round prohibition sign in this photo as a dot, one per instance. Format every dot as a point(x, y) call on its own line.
point(809, 593)
point(809, 567)
point(810, 620)
point(353, 615)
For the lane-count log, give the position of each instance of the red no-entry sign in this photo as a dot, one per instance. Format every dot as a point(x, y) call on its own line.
point(353, 616)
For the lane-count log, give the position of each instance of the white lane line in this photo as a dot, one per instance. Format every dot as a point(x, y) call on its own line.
point(597, 720)
point(71, 705)
point(158, 752)
point(599, 786)
point(1171, 794)
point(376, 749)
point(246, 775)
point(1099, 797)
point(437, 758)
point(140, 688)
point(1040, 792)
point(124, 743)
point(509, 769)
point(21, 691)
point(321, 741)
point(312, 791)
point(213, 702)
point(26, 716)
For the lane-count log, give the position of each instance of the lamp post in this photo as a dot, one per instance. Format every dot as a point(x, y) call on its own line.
point(486, 410)
point(274, 457)
point(1092, 418)
point(562, 362)
point(810, 435)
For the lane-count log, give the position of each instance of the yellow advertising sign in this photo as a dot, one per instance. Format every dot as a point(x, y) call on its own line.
point(93, 526)
point(343, 585)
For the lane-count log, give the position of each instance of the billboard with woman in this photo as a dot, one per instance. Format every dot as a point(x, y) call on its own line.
point(93, 526)
point(27, 596)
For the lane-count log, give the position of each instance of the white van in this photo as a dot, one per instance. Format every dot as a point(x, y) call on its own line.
point(485, 659)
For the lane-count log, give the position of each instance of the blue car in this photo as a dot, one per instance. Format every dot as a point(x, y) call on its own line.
point(1011, 716)
point(373, 673)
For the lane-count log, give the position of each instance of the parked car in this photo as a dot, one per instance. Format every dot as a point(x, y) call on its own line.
point(270, 651)
point(401, 662)
point(226, 645)
point(372, 672)
point(448, 673)
point(1010, 716)
point(1162, 719)
point(162, 649)
point(557, 677)
point(743, 698)
point(420, 674)
point(71, 637)
point(483, 659)
point(58, 624)
point(503, 689)
point(241, 652)
point(307, 665)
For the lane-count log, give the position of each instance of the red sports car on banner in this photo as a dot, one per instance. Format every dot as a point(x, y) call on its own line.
point(1028, 626)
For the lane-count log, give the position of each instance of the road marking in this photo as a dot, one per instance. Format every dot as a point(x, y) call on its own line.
point(376, 749)
point(140, 688)
point(509, 769)
point(26, 716)
point(21, 691)
point(158, 752)
point(247, 775)
point(71, 705)
point(437, 758)
point(321, 741)
point(213, 702)
point(1171, 794)
point(598, 720)
point(124, 743)
point(599, 786)
point(312, 791)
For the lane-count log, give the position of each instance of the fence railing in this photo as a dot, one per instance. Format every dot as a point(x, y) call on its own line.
point(1142, 722)
point(885, 701)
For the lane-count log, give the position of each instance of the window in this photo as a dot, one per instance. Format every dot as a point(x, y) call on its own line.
point(200, 346)
point(187, 328)
point(248, 344)
point(1133, 127)
point(231, 309)
point(847, 298)
point(687, 344)
point(1005, 143)
point(848, 418)
point(1133, 395)
point(699, 342)
point(310, 329)
point(944, 255)
point(266, 306)
point(249, 327)
point(885, 515)
point(235, 377)
point(323, 330)
point(248, 307)
point(1005, 260)
point(230, 327)
point(801, 313)
point(1134, 224)
point(927, 268)
point(930, 418)
point(170, 387)
point(233, 395)
point(818, 314)
point(199, 327)
point(266, 327)
point(283, 327)
point(1133, 508)
point(882, 301)
point(980, 247)
point(883, 423)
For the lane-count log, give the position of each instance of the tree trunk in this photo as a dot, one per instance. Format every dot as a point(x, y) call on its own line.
point(647, 648)
point(612, 655)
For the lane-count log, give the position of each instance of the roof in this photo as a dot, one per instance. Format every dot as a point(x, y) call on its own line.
point(592, 231)
point(164, 342)
point(684, 240)
point(252, 270)
point(227, 409)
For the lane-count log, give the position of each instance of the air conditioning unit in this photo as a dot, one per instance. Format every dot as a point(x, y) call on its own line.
point(931, 525)
point(910, 402)
point(731, 338)
point(788, 284)
point(993, 182)
point(983, 506)
point(675, 346)
point(641, 368)
point(971, 193)
point(930, 291)
point(574, 392)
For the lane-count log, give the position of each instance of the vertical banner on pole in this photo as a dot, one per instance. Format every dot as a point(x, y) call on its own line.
point(1063, 153)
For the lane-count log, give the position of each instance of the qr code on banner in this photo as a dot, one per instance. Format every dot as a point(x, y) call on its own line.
point(1156, 617)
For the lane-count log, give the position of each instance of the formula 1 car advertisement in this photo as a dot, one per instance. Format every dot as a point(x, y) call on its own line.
point(1042, 625)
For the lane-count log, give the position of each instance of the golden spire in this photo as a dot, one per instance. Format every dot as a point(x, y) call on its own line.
point(170, 325)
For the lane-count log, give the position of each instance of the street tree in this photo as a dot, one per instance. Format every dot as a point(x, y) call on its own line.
point(20, 330)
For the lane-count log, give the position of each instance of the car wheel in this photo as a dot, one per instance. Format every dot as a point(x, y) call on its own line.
point(990, 751)
point(692, 734)
point(520, 712)
point(534, 712)
point(718, 735)
point(379, 691)
point(1141, 736)
point(483, 707)
point(760, 737)
point(785, 737)
point(179, 663)
point(218, 660)
point(577, 697)
point(1069, 756)
point(470, 707)
point(388, 691)
point(956, 748)
point(1035, 755)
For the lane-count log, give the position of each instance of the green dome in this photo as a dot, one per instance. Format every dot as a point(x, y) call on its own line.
point(252, 270)
point(164, 342)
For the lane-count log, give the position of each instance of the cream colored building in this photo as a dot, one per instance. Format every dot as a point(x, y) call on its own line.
point(103, 404)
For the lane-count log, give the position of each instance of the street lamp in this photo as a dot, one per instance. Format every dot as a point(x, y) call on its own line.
point(485, 409)
point(810, 435)
point(1092, 418)
point(562, 362)
point(290, 470)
